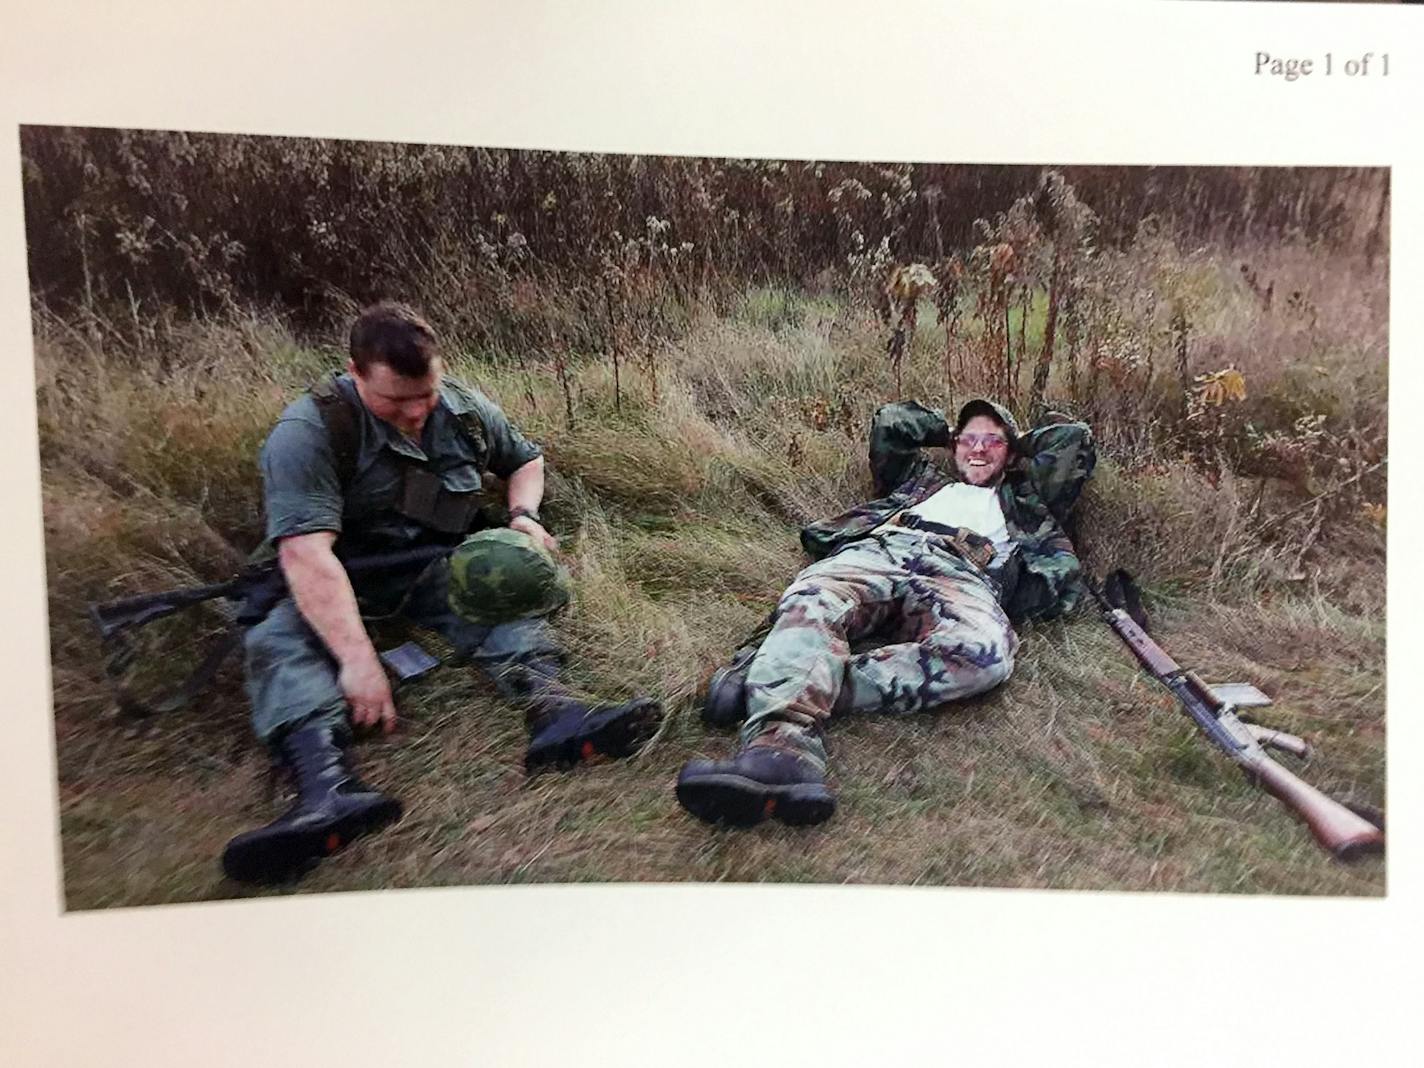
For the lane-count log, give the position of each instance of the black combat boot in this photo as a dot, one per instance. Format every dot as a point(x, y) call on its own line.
point(564, 732)
point(332, 808)
point(760, 782)
point(563, 728)
point(726, 703)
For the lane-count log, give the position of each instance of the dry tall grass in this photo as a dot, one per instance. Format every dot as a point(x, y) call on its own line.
point(700, 345)
point(678, 509)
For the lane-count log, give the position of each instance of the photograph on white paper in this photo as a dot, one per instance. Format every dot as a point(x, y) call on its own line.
point(428, 515)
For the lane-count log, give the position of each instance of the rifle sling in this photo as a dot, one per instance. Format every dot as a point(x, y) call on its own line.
point(261, 591)
point(183, 694)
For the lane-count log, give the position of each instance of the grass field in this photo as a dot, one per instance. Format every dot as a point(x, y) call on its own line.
point(678, 509)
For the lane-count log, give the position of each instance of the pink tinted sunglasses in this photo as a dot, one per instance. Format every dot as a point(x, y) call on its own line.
point(989, 441)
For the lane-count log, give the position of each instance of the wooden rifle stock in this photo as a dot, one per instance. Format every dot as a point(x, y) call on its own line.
point(1343, 833)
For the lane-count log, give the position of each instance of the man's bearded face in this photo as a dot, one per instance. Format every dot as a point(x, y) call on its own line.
point(981, 451)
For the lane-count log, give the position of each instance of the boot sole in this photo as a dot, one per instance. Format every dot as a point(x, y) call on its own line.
point(612, 734)
point(282, 857)
point(743, 802)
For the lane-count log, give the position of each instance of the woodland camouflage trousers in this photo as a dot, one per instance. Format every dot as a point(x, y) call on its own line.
point(947, 639)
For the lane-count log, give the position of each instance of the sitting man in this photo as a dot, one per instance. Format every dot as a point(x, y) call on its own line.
point(936, 568)
point(387, 457)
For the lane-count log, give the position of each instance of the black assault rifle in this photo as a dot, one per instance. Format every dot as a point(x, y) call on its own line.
point(255, 589)
point(1345, 834)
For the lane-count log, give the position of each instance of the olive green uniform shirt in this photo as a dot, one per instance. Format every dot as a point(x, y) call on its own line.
point(302, 487)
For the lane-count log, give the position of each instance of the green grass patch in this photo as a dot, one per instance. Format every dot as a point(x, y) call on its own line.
point(677, 503)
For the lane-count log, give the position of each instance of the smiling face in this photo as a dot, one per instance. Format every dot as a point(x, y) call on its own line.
point(398, 399)
point(981, 451)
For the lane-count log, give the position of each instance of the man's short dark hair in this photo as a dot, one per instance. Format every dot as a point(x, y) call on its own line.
point(396, 335)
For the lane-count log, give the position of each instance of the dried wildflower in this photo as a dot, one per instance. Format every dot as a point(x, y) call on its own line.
point(1002, 263)
point(1215, 389)
point(909, 283)
point(903, 289)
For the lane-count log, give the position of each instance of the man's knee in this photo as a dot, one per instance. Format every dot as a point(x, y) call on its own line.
point(821, 597)
point(998, 656)
point(999, 671)
point(273, 639)
point(975, 666)
point(289, 675)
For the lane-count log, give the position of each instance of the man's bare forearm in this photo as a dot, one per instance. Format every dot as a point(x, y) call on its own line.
point(526, 490)
point(324, 596)
point(526, 486)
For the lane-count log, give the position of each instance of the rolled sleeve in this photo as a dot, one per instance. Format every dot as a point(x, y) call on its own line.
point(897, 433)
point(509, 449)
point(300, 487)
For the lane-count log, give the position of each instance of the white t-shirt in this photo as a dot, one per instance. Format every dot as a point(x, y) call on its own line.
point(975, 508)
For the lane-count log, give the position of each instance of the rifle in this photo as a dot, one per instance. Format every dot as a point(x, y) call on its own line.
point(1345, 834)
point(257, 589)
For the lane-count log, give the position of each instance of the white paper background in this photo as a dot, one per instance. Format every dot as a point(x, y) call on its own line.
point(709, 975)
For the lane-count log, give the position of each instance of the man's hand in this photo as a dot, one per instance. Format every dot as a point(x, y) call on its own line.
point(368, 692)
point(526, 490)
point(324, 597)
point(525, 525)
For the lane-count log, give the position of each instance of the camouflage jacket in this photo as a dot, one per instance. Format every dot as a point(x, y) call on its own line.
point(1040, 486)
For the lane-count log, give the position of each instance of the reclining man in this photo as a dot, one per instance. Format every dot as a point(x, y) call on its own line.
point(937, 567)
point(386, 457)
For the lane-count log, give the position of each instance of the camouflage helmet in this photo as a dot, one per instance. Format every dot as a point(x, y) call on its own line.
point(501, 575)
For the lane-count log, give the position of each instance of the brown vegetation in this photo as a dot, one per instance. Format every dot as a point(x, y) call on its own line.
point(696, 343)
